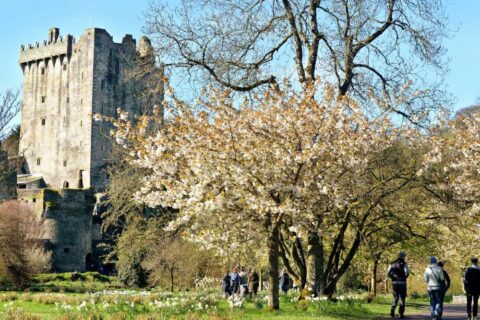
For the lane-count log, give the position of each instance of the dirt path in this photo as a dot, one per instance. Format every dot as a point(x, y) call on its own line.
point(451, 312)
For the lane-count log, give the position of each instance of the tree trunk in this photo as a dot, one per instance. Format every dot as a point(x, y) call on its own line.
point(374, 277)
point(315, 280)
point(260, 276)
point(273, 272)
point(171, 279)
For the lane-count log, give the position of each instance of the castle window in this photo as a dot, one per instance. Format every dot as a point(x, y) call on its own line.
point(64, 163)
point(43, 99)
point(66, 250)
point(68, 99)
point(81, 123)
point(44, 121)
point(103, 84)
point(38, 161)
point(82, 75)
point(34, 200)
point(65, 185)
point(117, 67)
point(42, 71)
point(65, 67)
point(81, 102)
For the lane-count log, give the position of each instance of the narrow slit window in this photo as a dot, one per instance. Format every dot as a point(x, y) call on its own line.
point(64, 67)
point(42, 71)
point(39, 161)
point(64, 163)
point(43, 99)
point(44, 121)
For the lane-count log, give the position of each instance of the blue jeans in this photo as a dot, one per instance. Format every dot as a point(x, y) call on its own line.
point(435, 302)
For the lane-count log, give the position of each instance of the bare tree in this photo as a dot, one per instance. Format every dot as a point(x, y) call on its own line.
point(360, 46)
point(21, 248)
point(10, 104)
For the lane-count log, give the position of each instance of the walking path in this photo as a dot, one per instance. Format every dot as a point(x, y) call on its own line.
point(451, 312)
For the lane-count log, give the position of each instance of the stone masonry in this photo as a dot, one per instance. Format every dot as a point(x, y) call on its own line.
point(65, 83)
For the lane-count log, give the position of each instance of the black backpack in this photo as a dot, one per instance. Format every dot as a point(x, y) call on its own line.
point(472, 280)
point(397, 271)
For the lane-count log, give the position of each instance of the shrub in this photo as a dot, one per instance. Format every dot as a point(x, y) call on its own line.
point(21, 250)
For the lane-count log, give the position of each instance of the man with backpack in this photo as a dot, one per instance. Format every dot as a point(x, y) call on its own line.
point(398, 272)
point(435, 280)
point(445, 285)
point(471, 281)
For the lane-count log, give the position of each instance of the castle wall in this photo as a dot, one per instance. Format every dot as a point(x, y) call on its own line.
point(57, 99)
point(65, 83)
point(68, 214)
point(110, 91)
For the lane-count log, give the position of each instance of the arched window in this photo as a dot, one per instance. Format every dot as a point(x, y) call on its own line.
point(65, 184)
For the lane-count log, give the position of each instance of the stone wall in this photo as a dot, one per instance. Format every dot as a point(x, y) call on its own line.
point(68, 214)
point(65, 83)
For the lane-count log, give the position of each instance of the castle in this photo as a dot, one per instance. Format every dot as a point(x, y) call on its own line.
point(66, 152)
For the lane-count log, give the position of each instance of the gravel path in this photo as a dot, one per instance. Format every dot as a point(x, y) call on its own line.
point(451, 312)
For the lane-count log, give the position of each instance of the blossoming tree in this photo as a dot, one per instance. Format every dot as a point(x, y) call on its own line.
point(239, 174)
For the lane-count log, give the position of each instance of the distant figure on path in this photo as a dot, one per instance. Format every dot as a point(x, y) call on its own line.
point(235, 276)
point(471, 283)
point(253, 282)
point(398, 272)
point(434, 278)
point(226, 285)
point(445, 285)
point(285, 282)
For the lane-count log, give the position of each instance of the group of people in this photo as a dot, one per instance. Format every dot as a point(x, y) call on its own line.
point(240, 282)
point(438, 283)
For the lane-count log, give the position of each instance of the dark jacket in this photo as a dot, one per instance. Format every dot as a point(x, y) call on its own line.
point(471, 279)
point(253, 281)
point(226, 284)
point(447, 280)
point(398, 271)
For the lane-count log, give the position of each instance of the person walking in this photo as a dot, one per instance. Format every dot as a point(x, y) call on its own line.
point(226, 284)
point(285, 279)
point(471, 281)
point(253, 282)
point(398, 272)
point(434, 278)
point(445, 285)
point(235, 278)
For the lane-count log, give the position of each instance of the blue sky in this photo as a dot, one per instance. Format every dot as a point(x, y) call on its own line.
point(27, 21)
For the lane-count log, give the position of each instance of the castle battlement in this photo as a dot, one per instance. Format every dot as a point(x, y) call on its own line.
point(55, 46)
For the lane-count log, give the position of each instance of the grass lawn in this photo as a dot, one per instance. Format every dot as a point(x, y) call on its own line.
point(95, 297)
point(52, 306)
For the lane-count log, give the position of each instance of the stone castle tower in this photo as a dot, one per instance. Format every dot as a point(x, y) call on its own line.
point(66, 152)
point(65, 83)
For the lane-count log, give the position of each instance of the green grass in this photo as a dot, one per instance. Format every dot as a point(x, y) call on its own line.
point(43, 306)
point(60, 297)
point(73, 282)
